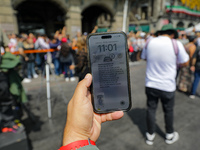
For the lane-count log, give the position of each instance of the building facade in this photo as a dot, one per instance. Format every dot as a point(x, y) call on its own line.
point(77, 15)
point(47, 16)
point(151, 15)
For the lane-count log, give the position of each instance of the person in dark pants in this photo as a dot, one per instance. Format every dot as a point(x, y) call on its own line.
point(167, 99)
point(195, 67)
point(162, 59)
point(66, 60)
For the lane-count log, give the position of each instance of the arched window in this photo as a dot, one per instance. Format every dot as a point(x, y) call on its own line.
point(190, 25)
point(180, 25)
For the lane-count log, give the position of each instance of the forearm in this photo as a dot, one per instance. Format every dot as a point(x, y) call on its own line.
point(193, 62)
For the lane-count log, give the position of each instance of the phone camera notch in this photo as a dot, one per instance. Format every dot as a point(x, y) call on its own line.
point(122, 102)
point(106, 37)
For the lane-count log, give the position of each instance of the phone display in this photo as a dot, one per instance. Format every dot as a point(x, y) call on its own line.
point(109, 67)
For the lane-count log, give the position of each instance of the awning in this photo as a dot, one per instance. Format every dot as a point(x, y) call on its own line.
point(144, 28)
point(102, 30)
point(180, 28)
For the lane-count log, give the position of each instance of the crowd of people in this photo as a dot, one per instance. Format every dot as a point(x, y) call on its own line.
point(172, 58)
point(191, 41)
point(69, 55)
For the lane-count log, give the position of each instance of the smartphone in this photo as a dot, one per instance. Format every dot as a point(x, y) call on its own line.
point(109, 66)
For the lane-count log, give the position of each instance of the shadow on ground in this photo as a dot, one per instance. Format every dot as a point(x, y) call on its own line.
point(138, 117)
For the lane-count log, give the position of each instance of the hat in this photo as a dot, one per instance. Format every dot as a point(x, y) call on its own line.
point(142, 34)
point(64, 40)
point(168, 27)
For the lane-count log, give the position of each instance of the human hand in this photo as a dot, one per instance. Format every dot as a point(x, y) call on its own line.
point(82, 123)
point(26, 58)
point(71, 67)
point(192, 68)
point(96, 27)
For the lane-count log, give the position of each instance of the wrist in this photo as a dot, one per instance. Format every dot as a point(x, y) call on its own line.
point(77, 144)
point(71, 136)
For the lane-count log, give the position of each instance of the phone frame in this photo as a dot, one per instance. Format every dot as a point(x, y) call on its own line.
point(128, 71)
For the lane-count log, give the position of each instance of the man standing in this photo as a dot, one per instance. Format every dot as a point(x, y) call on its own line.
point(162, 54)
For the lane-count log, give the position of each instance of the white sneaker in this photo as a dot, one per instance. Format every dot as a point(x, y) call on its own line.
point(26, 80)
point(72, 79)
point(172, 137)
point(67, 79)
point(35, 76)
point(192, 96)
point(150, 138)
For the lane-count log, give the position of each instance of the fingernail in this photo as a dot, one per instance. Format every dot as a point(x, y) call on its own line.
point(87, 76)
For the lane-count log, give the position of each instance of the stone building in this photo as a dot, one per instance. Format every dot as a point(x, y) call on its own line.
point(150, 15)
point(82, 15)
point(77, 15)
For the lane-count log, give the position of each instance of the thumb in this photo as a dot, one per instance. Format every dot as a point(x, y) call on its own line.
point(82, 87)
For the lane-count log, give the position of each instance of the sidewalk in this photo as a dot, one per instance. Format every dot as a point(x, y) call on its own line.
point(126, 133)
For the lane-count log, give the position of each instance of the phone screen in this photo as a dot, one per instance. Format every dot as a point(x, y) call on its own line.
point(110, 71)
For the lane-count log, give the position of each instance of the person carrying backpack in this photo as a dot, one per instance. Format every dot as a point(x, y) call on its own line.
point(160, 84)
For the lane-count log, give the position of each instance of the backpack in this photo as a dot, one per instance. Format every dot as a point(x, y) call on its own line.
point(4, 87)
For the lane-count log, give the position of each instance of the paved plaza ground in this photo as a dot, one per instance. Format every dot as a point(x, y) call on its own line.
point(124, 134)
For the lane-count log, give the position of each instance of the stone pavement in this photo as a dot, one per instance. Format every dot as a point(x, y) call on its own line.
point(124, 134)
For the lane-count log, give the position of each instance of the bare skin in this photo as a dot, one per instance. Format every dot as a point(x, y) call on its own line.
point(82, 123)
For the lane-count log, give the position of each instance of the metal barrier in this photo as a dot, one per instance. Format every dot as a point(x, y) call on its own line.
point(34, 51)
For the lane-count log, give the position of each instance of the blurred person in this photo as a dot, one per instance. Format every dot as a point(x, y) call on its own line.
point(160, 80)
point(54, 43)
point(140, 43)
point(198, 38)
point(66, 60)
point(85, 34)
point(195, 67)
point(9, 36)
point(40, 57)
point(24, 58)
point(69, 40)
point(130, 47)
point(83, 126)
point(134, 45)
point(29, 45)
point(74, 40)
point(4, 39)
point(12, 93)
point(82, 60)
point(13, 43)
point(183, 38)
point(185, 78)
point(31, 36)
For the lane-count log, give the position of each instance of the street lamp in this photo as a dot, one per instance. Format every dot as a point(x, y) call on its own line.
point(125, 15)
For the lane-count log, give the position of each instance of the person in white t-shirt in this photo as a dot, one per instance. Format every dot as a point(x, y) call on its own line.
point(162, 58)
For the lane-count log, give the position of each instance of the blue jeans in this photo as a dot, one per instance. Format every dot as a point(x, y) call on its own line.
point(66, 66)
point(57, 67)
point(196, 82)
point(30, 69)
